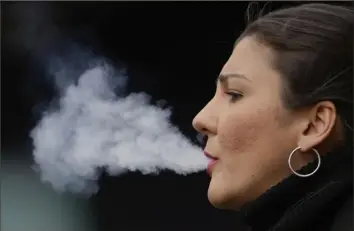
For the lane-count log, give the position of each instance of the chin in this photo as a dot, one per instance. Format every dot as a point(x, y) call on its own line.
point(219, 204)
point(223, 198)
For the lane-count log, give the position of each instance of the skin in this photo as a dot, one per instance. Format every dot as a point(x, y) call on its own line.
point(252, 133)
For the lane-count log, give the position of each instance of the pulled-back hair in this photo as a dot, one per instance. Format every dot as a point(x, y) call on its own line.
point(313, 51)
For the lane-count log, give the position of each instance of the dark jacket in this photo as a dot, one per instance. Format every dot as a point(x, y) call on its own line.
point(321, 202)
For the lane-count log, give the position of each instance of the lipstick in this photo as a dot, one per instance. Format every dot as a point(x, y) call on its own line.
point(212, 162)
point(211, 166)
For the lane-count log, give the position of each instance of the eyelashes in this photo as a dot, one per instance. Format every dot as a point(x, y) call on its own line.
point(234, 96)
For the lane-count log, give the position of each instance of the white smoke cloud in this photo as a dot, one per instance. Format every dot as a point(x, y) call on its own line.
point(92, 128)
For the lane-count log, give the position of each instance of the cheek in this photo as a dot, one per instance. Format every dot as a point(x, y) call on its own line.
point(240, 131)
point(251, 140)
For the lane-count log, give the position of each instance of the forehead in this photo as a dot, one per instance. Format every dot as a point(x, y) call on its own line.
point(253, 60)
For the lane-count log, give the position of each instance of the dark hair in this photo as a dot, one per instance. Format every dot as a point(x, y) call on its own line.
point(313, 51)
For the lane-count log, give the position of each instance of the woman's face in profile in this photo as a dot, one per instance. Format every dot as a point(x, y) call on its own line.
point(248, 128)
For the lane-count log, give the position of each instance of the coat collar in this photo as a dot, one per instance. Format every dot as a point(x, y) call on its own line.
point(296, 202)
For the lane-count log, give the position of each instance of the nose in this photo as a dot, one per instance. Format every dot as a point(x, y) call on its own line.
point(205, 121)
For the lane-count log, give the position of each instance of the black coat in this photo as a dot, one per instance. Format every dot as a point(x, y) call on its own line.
point(321, 202)
point(343, 220)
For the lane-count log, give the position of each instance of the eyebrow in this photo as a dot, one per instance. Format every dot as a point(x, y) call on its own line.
point(224, 77)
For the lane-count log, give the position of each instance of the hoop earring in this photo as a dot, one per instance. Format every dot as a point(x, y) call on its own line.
point(309, 174)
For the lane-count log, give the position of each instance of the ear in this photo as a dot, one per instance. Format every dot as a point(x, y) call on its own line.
point(319, 125)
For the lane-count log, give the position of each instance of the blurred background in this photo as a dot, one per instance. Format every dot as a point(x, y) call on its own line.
point(171, 50)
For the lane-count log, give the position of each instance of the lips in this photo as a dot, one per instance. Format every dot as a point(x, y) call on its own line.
point(210, 167)
point(212, 162)
point(210, 156)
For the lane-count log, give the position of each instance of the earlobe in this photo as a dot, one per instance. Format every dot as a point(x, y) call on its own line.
point(320, 127)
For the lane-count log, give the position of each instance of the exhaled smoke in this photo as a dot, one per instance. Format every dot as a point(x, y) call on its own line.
point(92, 128)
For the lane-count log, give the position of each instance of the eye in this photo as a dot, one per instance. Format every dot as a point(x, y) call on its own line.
point(234, 96)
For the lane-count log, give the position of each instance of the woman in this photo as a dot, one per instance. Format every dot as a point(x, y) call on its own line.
point(279, 126)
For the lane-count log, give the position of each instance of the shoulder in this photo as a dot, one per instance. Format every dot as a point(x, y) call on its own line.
point(343, 220)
